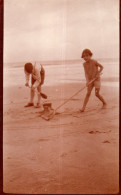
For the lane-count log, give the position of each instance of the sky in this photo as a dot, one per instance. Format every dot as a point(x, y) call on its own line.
point(36, 30)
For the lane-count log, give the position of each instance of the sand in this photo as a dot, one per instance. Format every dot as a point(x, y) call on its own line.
point(73, 153)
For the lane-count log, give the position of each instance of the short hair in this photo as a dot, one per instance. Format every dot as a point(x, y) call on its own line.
point(28, 67)
point(86, 51)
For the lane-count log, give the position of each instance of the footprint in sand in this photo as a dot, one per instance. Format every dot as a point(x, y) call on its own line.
point(33, 158)
point(43, 140)
point(63, 155)
point(92, 132)
point(75, 150)
point(106, 141)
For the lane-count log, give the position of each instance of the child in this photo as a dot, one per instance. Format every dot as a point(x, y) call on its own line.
point(91, 71)
point(37, 79)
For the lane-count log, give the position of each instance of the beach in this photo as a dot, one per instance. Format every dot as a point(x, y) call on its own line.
point(73, 153)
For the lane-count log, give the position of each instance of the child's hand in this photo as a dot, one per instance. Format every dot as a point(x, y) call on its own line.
point(98, 74)
point(33, 87)
point(27, 84)
point(87, 84)
point(42, 82)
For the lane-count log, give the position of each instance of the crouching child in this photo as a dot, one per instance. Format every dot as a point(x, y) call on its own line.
point(37, 73)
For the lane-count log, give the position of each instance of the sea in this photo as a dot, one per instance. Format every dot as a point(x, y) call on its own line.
point(58, 72)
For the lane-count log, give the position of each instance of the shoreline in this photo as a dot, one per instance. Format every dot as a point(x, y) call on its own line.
point(111, 81)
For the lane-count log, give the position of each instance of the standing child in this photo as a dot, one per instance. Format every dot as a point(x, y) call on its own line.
point(92, 70)
point(37, 73)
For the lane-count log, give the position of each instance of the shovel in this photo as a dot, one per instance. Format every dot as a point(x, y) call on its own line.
point(42, 94)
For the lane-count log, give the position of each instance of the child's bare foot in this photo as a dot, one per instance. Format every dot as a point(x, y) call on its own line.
point(38, 105)
point(29, 104)
point(81, 110)
point(104, 106)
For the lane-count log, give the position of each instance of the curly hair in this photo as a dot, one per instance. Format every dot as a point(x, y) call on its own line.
point(87, 52)
point(28, 67)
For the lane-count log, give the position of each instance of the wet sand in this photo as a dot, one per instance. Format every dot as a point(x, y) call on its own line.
point(73, 153)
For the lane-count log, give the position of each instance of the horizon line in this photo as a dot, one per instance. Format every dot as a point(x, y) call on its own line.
point(59, 60)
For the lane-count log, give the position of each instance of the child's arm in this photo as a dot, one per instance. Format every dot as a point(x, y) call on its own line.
point(37, 77)
point(42, 75)
point(27, 76)
point(101, 68)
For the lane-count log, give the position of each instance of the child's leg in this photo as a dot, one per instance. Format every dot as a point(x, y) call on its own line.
point(32, 92)
point(89, 90)
point(97, 90)
point(39, 95)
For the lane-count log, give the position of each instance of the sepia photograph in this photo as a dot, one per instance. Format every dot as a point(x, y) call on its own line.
point(61, 97)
